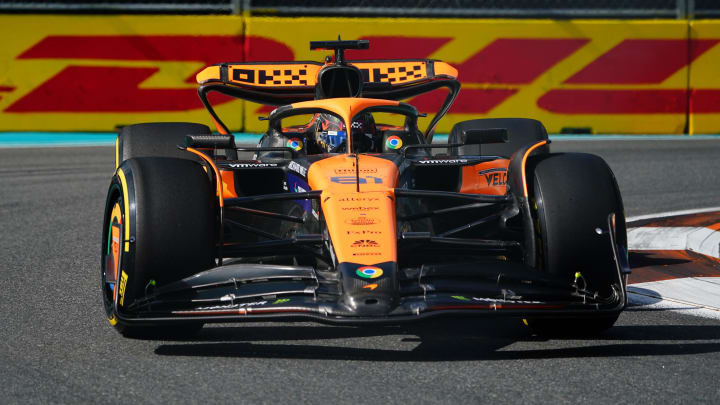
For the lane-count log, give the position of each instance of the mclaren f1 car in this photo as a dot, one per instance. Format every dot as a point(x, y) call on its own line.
point(347, 213)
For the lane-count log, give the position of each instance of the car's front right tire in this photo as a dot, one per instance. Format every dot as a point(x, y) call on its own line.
point(573, 195)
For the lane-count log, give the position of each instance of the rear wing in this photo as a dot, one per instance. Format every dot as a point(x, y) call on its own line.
point(291, 78)
point(281, 83)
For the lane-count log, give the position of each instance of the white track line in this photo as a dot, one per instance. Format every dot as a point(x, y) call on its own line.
point(697, 291)
point(672, 214)
point(692, 295)
point(648, 299)
point(695, 239)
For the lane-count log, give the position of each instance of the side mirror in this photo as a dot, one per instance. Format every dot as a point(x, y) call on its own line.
point(481, 136)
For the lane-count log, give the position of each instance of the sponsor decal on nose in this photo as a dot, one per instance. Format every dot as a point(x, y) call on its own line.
point(369, 272)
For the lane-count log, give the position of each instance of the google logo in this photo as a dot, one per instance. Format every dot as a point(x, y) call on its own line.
point(369, 272)
point(393, 142)
point(294, 143)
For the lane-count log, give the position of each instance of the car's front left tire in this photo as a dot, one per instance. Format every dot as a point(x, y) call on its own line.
point(160, 226)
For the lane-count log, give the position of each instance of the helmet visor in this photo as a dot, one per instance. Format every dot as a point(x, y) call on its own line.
point(331, 141)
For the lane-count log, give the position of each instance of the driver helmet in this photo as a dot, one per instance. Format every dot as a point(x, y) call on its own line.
point(330, 133)
point(332, 136)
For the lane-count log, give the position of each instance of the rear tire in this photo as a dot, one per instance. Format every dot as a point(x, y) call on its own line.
point(573, 194)
point(158, 139)
point(521, 131)
point(160, 217)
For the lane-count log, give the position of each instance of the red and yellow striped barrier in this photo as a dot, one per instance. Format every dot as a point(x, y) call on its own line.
point(704, 107)
point(73, 73)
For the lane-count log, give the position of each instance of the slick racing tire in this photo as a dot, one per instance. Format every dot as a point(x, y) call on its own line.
point(160, 226)
point(572, 196)
point(521, 131)
point(158, 139)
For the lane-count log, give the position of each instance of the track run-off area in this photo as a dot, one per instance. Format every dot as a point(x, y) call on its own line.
point(57, 347)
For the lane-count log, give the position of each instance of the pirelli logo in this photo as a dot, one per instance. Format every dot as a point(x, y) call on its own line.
point(393, 72)
point(279, 75)
point(122, 287)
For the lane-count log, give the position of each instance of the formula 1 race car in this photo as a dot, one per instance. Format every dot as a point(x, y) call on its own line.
point(346, 213)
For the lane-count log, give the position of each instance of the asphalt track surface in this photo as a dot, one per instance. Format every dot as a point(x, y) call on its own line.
point(56, 346)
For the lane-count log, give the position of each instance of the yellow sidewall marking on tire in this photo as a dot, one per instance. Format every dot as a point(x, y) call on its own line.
point(123, 181)
point(117, 152)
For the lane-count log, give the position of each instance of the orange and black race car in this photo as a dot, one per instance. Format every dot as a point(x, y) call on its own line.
point(346, 213)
